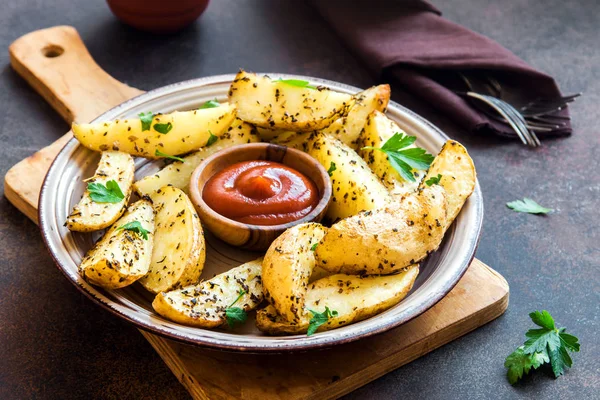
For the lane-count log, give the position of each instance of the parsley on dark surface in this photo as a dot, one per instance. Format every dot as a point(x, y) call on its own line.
point(159, 153)
point(146, 119)
point(434, 180)
point(548, 344)
point(332, 168)
point(296, 82)
point(210, 104)
point(528, 206)
point(211, 139)
point(111, 193)
point(235, 315)
point(319, 319)
point(135, 226)
point(163, 128)
point(403, 158)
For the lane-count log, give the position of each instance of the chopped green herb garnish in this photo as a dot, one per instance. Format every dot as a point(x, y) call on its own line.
point(111, 193)
point(159, 153)
point(332, 168)
point(210, 104)
point(548, 344)
point(403, 158)
point(135, 226)
point(434, 180)
point(235, 315)
point(146, 119)
point(319, 319)
point(314, 246)
point(211, 139)
point(163, 128)
point(296, 82)
point(528, 206)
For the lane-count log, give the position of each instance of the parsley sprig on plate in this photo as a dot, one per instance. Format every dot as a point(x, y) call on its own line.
point(211, 139)
point(295, 82)
point(210, 104)
point(159, 153)
point(319, 319)
point(236, 315)
point(111, 193)
point(135, 226)
point(548, 344)
point(528, 206)
point(403, 158)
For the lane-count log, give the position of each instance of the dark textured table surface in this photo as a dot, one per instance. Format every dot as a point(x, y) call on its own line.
point(54, 343)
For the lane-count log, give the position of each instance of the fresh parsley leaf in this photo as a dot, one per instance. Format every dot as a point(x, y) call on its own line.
point(211, 139)
point(146, 119)
point(332, 168)
point(296, 82)
point(235, 315)
point(548, 344)
point(163, 128)
point(528, 206)
point(135, 226)
point(434, 180)
point(159, 153)
point(210, 104)
point(403, 158)
point(314, 246)
point(519, 363)
point(111, 193)
point(319, 319)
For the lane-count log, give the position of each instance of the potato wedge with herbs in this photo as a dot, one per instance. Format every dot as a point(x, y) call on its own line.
point(377, 131)
point(290, 105)
point(205, 304)
point(89, 215)
point(175, 133)
point(178, 173)
point(288, 266)
point(353, 298)
point(179, 250)
point(123, 254)
point(386, 240)
point(355, 187)
point(458, 176)
point(347, 129)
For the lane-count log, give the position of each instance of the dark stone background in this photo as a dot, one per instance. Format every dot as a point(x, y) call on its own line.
point(54, 343)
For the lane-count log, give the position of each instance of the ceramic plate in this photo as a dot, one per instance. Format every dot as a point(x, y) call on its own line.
point(63, 187)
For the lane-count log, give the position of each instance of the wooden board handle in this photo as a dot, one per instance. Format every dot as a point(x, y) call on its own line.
point(58, 66)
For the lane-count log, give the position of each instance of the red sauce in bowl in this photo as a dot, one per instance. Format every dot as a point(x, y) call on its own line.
point(261, 193)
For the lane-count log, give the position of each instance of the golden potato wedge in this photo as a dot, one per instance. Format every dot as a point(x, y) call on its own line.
point(122, 256)
point(348, 128)
point(178, 173)
point(353, 297)
point(88, 215)
point(378, 130)
point(355, 187)
point(456, 167)
point(179, 250)
point(287, 267)
point(175, 133)
point(386, 240)
point(204, 304)
point(278, 105)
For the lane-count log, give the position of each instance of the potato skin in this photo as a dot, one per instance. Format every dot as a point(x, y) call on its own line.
point(203, 305)
point(277, 105)
point(121, 257)
point(355, 187)
point(190, 131)
point(87, 215)
point(288, 266)
point(386, 240)
point(355, 298)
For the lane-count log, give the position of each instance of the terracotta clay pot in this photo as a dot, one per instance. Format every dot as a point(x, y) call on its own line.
point(158, 16)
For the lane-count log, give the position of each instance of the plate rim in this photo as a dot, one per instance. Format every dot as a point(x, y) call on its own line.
point(282, 346)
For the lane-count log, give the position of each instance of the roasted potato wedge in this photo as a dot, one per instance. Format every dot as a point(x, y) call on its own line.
point(204, 304)
point(386, 240)
point(179, 250)
point(355, 298)
point(288, 266)
point(174, 133)
point(355, 187)
point(277, 105)
point(378, 130)
point(88, 215)
point(122, 256)
point(178, 173)
point(456, 167)
point(348, 128)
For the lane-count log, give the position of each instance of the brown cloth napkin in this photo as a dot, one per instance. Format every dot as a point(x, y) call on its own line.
point(409, 43)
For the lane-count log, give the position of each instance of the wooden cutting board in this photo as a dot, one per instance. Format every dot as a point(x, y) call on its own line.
point(57, 64)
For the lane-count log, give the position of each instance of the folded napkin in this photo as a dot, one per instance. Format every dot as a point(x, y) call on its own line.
point(408, 43)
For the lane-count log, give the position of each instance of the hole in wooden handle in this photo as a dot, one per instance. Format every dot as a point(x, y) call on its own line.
point(52, 50)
